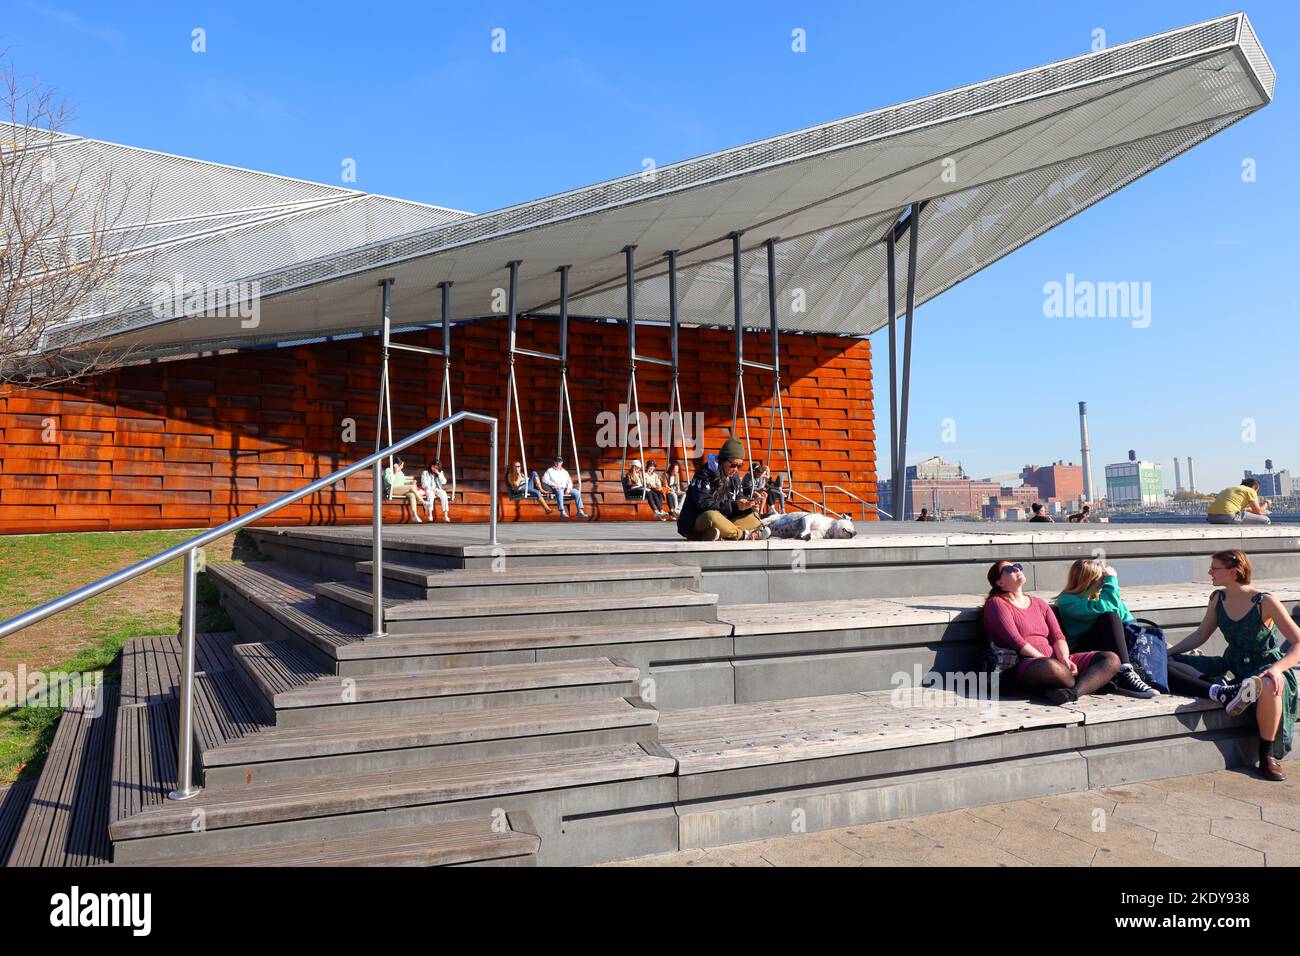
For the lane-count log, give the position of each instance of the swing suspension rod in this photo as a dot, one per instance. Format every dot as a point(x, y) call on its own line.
point(739, 405)
point(565, 414)
point(385, 417)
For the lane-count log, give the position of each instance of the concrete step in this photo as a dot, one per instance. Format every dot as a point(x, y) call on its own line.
point(300, 697)
point(745, 770)
point(477, 840)
point(284, 754)
point(424, 583)
point(529, 611)
point(283, 813)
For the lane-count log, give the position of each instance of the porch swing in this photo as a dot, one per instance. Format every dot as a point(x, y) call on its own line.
point(565, 415)
point(676, 423)
point(739, 407)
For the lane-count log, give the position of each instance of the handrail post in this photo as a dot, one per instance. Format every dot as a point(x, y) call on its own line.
point(377, 556)
point(492, 488)
point(185, 721)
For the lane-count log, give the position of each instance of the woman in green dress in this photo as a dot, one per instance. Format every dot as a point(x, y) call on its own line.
point(1254, 624)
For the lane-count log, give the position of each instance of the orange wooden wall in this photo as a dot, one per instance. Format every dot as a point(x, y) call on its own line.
point(198, 441)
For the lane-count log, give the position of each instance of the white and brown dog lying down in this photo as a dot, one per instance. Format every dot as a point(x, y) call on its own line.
point(807, 526)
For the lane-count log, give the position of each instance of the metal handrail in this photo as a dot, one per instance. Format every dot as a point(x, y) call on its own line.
point(796, 494)
point(189, 549)
point(843, 491)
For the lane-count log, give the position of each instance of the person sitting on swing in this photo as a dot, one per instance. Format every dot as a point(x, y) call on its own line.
point(654, 490)
point(715, 509)
point(559, 483)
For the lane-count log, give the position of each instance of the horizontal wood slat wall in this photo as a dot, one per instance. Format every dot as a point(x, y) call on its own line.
point(198, 441)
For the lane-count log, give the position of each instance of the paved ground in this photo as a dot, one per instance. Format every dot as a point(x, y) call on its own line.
point(1229, 818)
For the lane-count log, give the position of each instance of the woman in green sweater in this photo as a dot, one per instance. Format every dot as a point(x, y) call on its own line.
point(1093, 615)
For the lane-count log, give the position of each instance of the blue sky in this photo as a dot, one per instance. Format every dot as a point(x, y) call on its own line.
point(586, 91)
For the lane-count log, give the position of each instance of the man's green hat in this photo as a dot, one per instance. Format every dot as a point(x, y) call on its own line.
point(731, 448)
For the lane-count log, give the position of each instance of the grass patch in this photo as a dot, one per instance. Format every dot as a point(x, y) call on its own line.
point(89, 637)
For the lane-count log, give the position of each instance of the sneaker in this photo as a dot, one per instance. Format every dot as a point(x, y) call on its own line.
point(417, 519)
point(1130, 683)
point(446, 517)
point(713, 535)
point(1246, 695)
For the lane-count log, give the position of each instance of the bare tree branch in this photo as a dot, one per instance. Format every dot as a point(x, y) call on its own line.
point(69, 223)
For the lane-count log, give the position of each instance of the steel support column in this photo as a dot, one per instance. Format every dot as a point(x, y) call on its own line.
point(900, 504)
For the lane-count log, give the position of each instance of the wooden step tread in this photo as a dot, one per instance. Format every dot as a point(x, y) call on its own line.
point(730, 736)
point(281, 667)
point(66, 823)
point(284, 596)
point(396, 788)
point(433, 844)
point(403, 645)
point(431, 730)
point(398, 609)
point(453, 681)
point(558, 574)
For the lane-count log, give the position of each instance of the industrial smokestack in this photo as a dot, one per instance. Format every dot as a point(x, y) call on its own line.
point(1178, 477)
point(1086, 451)
point(1191, 476)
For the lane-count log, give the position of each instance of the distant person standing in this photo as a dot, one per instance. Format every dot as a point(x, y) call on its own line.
point(1037, 508)
point(1240, 504)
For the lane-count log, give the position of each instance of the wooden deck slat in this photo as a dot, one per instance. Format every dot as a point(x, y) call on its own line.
point(440, 844)
point(397, 788)
point(430, 730)
point(544, 574)
point(493, 678)
point(66, 823)
point(402, 609)
point(297, 610)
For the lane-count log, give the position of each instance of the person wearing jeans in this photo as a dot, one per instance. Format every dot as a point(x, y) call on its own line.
point(559, 483)
point(1239, 504)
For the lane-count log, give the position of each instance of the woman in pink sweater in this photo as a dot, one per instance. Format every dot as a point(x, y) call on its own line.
point(1026, 625)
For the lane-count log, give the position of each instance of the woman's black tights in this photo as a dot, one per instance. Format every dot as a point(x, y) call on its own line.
point(1046, 673)
point(1187, 680)
point(1106, 633)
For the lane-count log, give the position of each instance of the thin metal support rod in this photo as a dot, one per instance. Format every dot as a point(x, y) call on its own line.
point(893, 367)
point(492, 484)
point(377, 554)
point(444, 400)
point(776, 410)
point(566, 402)
point(512, 389)
point(738, 402)
point(185, 739)
point(901, 512)
point(633, 403)
point(676, 418)
point(385, 384)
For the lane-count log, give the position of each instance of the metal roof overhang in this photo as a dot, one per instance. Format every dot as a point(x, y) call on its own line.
point(1001, 162)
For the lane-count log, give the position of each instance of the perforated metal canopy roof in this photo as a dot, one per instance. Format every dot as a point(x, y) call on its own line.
point(1001, 162)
